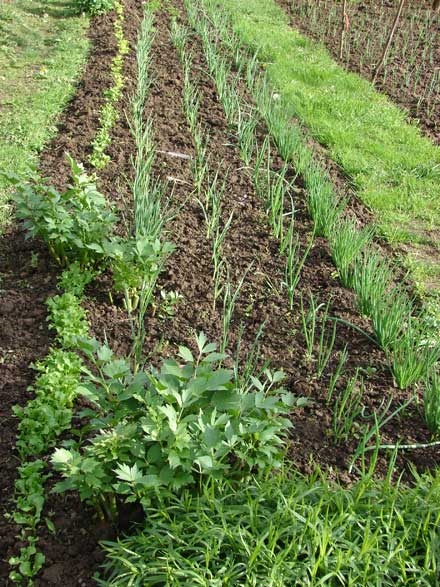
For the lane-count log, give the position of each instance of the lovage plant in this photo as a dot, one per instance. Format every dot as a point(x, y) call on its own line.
point(171, 427)
point(73, 223)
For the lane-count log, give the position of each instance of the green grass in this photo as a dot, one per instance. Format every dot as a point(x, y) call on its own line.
point(395, 170)
point(42, 49)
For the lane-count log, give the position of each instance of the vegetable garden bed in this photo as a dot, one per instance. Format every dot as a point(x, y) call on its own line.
point(227, 277)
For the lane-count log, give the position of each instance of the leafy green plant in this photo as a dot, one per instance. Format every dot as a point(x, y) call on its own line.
point(166, 429)
point(136, 264)
point(95, 7)
point(68, 318)
point(44, 418)
point(109, 114)
point(169, 300)
point(49, 413)
point(29, 494)
point(28, 562)
point(73, 224)
point(75, 278)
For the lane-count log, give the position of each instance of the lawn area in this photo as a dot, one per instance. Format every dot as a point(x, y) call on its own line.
point(43, 46)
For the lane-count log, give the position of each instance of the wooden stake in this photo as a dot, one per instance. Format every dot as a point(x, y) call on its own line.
point(345, 24)
point(390, 39)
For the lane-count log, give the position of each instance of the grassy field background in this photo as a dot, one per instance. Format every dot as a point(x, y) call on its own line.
point(43, 46)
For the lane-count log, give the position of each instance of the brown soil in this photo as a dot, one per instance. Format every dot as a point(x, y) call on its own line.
point(72, 554)
point(411, 77)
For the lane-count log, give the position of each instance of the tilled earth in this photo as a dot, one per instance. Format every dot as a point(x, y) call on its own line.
point(28, 277)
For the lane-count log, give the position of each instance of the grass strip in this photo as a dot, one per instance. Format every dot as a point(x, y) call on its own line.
point(42, 50)
point(393, 168)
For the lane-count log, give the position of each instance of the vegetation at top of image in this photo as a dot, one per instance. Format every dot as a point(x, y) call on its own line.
point(165, 429)
point(401, 54)
point(73, 224)
point(109, 114)
point(95, 7)
point(43, 47)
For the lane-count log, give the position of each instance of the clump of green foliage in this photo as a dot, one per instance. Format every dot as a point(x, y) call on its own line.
point(109, 114)
point(94, 7)
point(284, 530)
point(167, 429)
point(67, 318)
point(29, 502)
point(44, 418)
point(136, 264)
point(73, 223)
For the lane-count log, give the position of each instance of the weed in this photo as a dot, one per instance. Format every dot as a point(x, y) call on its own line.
point(283, 530)
point(347, 407)
point(431, 401)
